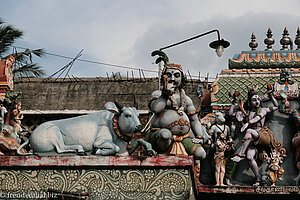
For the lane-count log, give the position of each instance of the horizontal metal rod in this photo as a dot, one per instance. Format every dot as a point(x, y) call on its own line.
point(195, 37)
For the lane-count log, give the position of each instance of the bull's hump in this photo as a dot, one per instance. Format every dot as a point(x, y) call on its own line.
point(97, 116)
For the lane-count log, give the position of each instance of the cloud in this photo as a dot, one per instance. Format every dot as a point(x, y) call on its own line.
point(196, 56)
point(126, 32)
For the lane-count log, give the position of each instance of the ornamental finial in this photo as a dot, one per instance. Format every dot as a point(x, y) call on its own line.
point(253, 44)
point(269, 41)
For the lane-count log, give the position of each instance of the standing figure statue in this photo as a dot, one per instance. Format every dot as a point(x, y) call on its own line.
point(252, 116)
point(176, 129)
point(222, 141)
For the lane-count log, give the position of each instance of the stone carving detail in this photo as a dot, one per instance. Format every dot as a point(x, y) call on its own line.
point(101, 184)
point(256, 135)
point(286, 85)
point(106, 132)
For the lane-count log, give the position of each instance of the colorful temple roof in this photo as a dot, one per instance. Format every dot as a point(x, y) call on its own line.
point(240, 80)
point(258, 68)
point(265, 59)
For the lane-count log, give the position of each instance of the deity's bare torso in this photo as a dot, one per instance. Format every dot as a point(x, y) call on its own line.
point(177, 122)
point(260, 124)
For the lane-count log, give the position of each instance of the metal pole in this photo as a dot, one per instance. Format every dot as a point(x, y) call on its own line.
point(195, 37)
point(159, 74)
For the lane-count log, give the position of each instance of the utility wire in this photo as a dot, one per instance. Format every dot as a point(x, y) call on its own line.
point(107, 64)
point(89, 61)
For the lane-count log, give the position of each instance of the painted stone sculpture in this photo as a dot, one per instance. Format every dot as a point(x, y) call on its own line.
point(285, 108)
point(176, 129)
point(3, 111)
point(12, 116)
point(222, 141)
point(286, 85)
point(275, 161)
point(104, 133)
point(252, 117)
point(15, 119)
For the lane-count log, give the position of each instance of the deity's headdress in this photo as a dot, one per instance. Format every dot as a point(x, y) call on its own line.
point(252, 92)
point(172, 65)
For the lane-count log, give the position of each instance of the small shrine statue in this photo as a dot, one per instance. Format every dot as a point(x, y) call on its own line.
point(15, 120)
point(252, 116)
point(222, 142)
point(275, 164)
point(286, 85)
point(3, 111)
point(176, 129)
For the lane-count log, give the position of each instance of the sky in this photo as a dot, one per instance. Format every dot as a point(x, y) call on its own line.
point(125, 32)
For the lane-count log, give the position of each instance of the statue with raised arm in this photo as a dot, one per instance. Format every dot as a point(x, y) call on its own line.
point(285, 108)
point(252, 116)
point(176, 129)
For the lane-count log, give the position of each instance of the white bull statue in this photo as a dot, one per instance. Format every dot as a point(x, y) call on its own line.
point(106, 132)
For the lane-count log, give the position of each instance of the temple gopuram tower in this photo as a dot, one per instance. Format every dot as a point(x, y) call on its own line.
point(257, 69)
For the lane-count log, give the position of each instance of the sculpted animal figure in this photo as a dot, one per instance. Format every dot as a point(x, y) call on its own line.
point(104, 133)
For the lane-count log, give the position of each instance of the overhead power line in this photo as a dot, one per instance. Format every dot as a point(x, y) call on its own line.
point(107, 64)
point(94, 62)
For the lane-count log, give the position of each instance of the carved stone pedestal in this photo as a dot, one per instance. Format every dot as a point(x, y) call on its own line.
point(161, 177)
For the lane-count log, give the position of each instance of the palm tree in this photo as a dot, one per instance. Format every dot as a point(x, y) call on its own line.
point(23, 66)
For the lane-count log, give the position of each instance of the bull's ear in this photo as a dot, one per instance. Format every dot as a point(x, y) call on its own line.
point(111, 107)
point(113, 111)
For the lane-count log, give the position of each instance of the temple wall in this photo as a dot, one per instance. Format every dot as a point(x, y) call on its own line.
point(96, 177)
point(89, 93)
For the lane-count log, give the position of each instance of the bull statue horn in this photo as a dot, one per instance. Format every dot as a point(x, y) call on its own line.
point(135, 103)
point(119, 106)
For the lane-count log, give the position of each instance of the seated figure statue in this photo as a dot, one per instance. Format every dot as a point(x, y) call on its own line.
point(176, 129)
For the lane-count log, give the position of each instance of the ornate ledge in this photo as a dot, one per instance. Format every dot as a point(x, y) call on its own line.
point(8, 146)
point(96, 177)
point(95, 161)
point(250, 189)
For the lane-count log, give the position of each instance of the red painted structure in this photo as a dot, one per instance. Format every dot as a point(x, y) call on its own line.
point(6, 76)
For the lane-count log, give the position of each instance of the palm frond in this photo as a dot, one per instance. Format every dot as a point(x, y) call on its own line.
point(38, 52)
point(8, 35)
point(28, 70)
point(23, 66)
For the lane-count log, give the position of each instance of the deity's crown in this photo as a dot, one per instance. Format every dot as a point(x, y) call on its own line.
point(252, 91)
point(172, 65)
